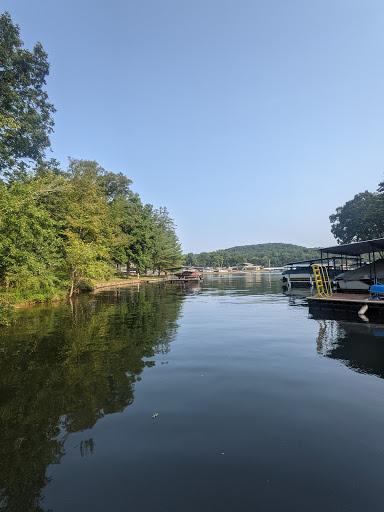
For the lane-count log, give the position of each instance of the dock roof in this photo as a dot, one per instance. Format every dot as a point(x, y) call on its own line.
point(356, 248)
point(309, 262)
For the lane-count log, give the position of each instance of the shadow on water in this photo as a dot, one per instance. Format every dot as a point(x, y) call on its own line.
point(359, 346)
point(345, 336)
point(62, 369)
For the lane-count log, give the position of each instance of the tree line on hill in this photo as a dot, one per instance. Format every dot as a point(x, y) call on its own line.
point(61, 228)
point(270, 254)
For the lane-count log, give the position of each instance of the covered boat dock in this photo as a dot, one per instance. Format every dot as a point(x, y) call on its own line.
point(369, 256)
point(355, 251)
point(299, 273)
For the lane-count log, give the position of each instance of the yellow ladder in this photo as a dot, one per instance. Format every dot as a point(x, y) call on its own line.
point(322, 281)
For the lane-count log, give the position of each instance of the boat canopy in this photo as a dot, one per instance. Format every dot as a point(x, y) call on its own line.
point(312, 261)
point(356, 248)
point(367, 271)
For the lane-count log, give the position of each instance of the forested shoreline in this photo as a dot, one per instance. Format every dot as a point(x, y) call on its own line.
point(64, 227)
point(275, 254)
point(60, 229)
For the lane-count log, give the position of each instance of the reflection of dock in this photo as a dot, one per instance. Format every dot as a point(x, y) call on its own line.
point(174, 280)
point(359, 346)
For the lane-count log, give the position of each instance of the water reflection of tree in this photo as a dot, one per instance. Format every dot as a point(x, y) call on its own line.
point(62, 370)
point(359, 346)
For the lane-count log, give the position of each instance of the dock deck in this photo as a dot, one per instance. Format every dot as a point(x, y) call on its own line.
point(361, 298)
point(348, 303)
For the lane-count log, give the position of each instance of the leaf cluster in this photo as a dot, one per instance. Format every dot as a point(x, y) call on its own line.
point(25, 112)
point(361, 218)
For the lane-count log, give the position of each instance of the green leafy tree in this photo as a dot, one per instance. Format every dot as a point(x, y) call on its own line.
point(86, 227)
point(134, 225)
point(361, 218)
point(166, 250)
point(77, 201)
point(86, 261)
point(25, 112)
point(190, 259)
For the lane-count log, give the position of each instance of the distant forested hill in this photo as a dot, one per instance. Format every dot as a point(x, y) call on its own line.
point(277, 254)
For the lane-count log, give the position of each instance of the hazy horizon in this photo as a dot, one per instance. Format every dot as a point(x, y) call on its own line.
point(251, 122)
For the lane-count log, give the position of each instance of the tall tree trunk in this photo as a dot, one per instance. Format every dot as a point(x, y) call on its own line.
point(73, 276)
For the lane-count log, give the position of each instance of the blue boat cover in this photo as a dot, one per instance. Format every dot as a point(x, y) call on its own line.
point(377, 288)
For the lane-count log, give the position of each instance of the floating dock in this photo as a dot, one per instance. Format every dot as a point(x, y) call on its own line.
point(352, 303)
point(358, 290)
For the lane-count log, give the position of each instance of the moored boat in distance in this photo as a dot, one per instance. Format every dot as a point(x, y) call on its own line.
point(190, 275)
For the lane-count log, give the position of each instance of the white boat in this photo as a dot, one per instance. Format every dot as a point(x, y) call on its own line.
point(361, 278)
point(300, 273)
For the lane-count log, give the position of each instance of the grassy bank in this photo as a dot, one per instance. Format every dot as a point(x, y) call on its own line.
point(121, 282)
point(10, 300)
point(16, 298)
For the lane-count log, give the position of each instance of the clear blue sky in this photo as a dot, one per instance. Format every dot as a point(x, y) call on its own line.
point(251, 120)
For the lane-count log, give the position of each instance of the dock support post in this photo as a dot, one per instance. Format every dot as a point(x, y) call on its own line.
point(363, 309)
point(362, 312)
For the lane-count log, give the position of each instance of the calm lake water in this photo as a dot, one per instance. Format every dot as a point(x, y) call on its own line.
point(224, 397)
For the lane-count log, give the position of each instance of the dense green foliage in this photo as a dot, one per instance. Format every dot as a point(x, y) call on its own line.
point(274, 254)
point(62, 228)
point(361, 218)
point(62, 369)
point(25, 112)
